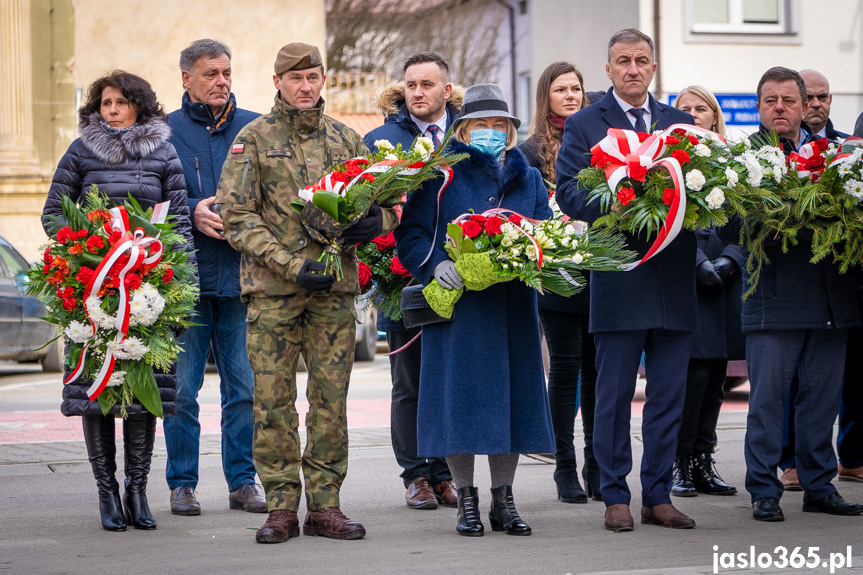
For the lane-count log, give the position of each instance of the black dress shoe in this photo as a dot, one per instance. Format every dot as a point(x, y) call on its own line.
point(682, 484)
point(767, 509)
point(834, 505)
point(705, 477)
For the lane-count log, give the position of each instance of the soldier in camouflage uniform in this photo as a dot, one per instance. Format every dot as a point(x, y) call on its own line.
point(294, 308)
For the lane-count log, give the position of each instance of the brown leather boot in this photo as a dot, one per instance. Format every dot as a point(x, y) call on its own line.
point(618, 518)
point(280, 526)
point(331, 522)
point(666, 515)
point(446, 493)
point(419, 494)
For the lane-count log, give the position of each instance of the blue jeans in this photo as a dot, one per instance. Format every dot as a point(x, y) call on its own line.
point(224, 328)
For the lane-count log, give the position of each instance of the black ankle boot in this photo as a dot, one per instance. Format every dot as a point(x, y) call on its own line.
point(469, 523)
point(139, 434)
point(681, 481)
point(705, 478)
point(503, 515)
point(101, 449)
point(568, 487)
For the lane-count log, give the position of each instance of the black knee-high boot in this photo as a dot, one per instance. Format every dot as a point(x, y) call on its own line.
point(139, 435)
point(101, 449)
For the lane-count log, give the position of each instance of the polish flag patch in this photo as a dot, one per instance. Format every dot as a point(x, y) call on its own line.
point(238, 148)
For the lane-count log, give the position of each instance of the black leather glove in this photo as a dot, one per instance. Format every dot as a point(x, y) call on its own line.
point(309, 277)
point(366, 229)
point(725, 267)
point(706, 276)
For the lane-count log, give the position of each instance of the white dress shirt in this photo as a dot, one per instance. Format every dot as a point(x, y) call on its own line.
point(627, 107)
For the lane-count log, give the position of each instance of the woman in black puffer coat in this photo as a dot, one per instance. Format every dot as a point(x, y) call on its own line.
point(124, 150)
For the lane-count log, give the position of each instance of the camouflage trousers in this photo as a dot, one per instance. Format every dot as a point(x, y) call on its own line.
point(320, 326)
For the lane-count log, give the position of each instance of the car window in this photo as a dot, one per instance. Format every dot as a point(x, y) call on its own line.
point(13, 261)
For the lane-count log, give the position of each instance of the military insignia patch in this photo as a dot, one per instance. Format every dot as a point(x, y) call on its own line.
point(238, 148)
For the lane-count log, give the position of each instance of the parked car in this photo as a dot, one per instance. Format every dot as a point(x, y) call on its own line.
point(23, 333)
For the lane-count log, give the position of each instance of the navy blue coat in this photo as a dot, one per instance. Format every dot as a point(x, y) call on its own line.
point(659, 293)
point(399, 128)
point(202, 144)
point(719, 334)
point(482, 387)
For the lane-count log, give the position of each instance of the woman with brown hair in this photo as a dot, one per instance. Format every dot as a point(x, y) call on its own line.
point(560, 94)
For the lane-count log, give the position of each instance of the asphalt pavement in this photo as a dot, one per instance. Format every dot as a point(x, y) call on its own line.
point(49, 520)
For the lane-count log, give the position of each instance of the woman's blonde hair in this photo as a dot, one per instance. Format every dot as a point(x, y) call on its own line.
point(462, 133)
point(710, 100)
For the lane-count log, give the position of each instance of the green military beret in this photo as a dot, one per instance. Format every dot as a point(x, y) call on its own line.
point(297, 56)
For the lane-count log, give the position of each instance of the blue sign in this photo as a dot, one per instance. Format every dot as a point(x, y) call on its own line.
point(737, 109)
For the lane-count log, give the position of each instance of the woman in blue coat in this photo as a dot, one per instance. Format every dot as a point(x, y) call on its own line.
point(482, 388)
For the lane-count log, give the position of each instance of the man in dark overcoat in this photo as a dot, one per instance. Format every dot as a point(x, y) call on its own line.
point(651, 308)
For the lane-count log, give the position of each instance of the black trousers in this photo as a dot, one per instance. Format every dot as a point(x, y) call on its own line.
point(704, 395)
point(405, 370)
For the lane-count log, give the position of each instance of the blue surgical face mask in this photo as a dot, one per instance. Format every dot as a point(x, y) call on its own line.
point(489, 141)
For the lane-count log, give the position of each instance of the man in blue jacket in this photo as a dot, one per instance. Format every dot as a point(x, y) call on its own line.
point(424, 105)
point(650, 308)
point(202, 132)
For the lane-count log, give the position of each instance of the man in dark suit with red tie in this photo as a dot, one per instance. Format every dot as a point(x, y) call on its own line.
point(651, 308)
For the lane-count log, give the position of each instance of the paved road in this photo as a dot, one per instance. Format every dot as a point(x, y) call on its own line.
point(49, 519)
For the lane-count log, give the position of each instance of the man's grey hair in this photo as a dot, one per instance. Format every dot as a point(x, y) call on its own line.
point(631, 36)
point(200, 48)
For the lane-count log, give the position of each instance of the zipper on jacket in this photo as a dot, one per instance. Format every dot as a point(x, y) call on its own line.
point(198, 172)
point(243, 184)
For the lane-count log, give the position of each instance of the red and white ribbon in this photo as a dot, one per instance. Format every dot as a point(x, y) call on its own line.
point(134, 243)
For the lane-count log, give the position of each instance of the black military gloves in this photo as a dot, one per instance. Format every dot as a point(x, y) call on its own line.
point(309, 277)
point(725, 267)
point(367, 228)
point(706, 276)
point(447, 276)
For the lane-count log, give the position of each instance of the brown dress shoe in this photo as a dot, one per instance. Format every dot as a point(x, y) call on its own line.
point(331, 522)
point(618, 518)
point(247, 498)
point(280, 526)
point(184, 502)
point(853, 474)
point(446, 493)
point(419, 494)
point(666, 515)
point(789, 480)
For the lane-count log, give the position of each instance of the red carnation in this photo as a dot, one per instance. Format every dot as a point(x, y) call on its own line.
point(680, 156)
point(599, 159)
point(642, 136)
point(679, 131)
point(115, 236)
point(64, 234)
point(668, 196)
point(368, 177)
point(672, 140)
point(169, 275)
point(132, 282)
point(46, 268)
point(626, 195)
point(84, 275)
point(354, 167)
point(471, 229)
point(637, 172)
point(492, 226)
point(398, 269)
point(68, 292)
point(341, 177)
point(693, 140)
point(95, 243)
point(70, 303)
point(478, 218)
point(385, 242)
point(515, 219)
point(82, 234)
point(46, 255)
point(364, 274)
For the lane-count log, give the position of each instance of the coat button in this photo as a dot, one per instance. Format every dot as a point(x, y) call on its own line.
point(110, 175)
point(828, 323)
point(309, 160)
point(302, 242)
point(491, 200)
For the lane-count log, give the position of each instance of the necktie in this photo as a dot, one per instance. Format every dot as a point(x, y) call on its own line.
point(638, 113)
point(434, 132)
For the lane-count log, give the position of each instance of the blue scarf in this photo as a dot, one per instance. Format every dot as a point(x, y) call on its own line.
point(116, 131)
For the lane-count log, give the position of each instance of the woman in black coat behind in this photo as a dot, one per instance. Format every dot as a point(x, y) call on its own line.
point(572, 373)
point(124, 150)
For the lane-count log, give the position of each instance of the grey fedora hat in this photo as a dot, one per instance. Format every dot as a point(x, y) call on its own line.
point(485, 101)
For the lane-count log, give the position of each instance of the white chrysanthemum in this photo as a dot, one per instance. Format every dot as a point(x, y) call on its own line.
point(577, 258)
point(702, 150)
point(78, 332)
point(531, 252)
point(695, 180)
point(117, 378)
point(564, 241)
point(98, 315)
point(731, 176)
point(391, 157)
point(130, 348)
point(715, 199)
point(424, 147)
point(722, 159)
point(384, 145)
point(754, 176)
point(854, 188)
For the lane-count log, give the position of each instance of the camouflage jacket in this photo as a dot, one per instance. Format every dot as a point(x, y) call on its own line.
point(271, 159)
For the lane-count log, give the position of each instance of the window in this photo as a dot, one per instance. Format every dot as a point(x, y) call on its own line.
point(740, 16)
point(13, 261)
point(522, 7)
